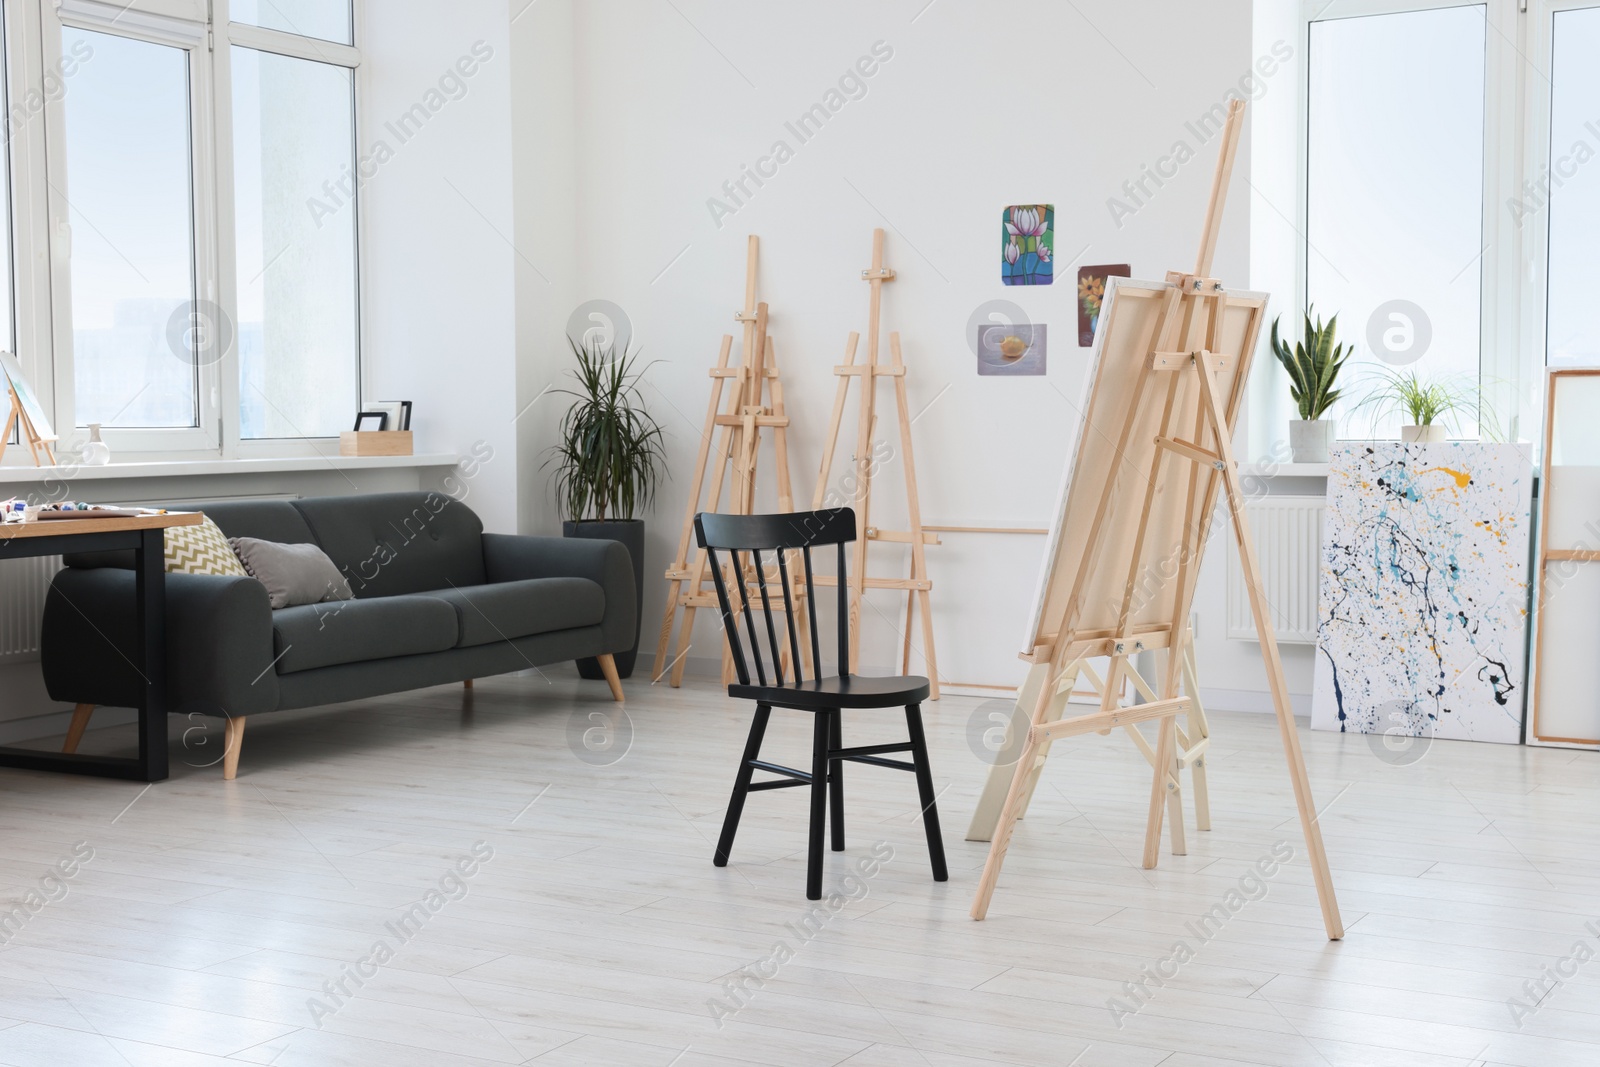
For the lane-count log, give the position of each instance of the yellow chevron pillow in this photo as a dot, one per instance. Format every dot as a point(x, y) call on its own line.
point(201, 549)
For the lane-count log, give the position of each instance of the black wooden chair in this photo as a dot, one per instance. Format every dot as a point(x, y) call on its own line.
point(783, 535)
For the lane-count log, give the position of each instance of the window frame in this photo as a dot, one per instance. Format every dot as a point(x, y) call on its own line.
point(1507, 383)
point(235, 445)
point(1537, 107)
point(206, 435)
point(41, 251)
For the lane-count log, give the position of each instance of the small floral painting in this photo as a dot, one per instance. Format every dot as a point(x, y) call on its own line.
point(1092, 294)
point(1027, 249)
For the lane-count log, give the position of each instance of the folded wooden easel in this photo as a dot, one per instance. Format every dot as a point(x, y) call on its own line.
point(755, 403)
point(1154, 450)
point(917, 586)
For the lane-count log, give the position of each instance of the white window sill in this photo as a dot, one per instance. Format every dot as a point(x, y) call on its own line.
point(1284, 470)
point(28, 475)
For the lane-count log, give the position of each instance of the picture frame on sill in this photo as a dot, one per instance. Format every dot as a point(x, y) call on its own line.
point(399, 412)
point(369, 421)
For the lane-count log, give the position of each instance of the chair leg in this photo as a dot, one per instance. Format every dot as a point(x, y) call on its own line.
point(930, 810)
point(80, 723)
point(836, 778)
point(819, 802)
point(741, 785)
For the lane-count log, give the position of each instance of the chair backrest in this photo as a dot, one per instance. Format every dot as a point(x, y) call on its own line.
point(782, 535)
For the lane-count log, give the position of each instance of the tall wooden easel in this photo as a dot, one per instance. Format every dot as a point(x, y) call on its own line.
point(755, 403)
point(1171, 359)
point(27, 433)
point(917, 586)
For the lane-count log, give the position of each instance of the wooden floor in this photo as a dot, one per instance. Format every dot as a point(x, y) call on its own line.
point(214, 919)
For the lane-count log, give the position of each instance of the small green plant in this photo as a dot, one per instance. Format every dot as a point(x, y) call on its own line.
point(1313, 365)
point(1424, 401)
point(609, 459)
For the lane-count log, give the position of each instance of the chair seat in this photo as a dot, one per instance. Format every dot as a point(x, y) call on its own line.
point(856, 691)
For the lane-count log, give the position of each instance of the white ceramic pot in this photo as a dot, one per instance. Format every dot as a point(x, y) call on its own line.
point(1431, 434)
point(1310, 439)
point(95, 452)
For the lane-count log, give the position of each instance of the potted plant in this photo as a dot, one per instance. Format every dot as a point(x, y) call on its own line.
point(1313, 368)
point(1427, 404)
point(608, 462)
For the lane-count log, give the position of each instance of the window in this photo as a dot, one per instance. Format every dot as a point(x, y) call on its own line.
point(1573, 180)
point(1394, 237)
point(177, 276)
point(130, 202)
point(294, 135)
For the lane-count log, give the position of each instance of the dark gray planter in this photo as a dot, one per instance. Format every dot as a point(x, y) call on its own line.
point(631, 533)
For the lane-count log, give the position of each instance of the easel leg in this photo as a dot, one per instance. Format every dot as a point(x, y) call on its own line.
point(665, 640)
point(1053, 711)
point(1316, 853)
point(905, 634)
point(995, 788)
point(1200, 731)
point(685, 635)
point(1007, 822)
point(1165, 742)
point(927, 645)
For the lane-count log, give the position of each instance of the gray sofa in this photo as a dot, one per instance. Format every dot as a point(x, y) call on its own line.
point(437, 600)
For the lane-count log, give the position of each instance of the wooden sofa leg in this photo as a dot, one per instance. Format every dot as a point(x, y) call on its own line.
point(80, 723)
point(467, 684)
point(608, 667)
point(233, 739)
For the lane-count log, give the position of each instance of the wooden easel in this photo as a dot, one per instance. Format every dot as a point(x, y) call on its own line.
point(917, 586)
point(30, 436)
point(755, 403)
point(1190, 750)
point(1171, 359)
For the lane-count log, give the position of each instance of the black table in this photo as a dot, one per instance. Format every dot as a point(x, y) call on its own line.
point(145, 535)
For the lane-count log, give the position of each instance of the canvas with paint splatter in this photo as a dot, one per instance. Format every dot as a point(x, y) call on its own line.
point(1423, 600)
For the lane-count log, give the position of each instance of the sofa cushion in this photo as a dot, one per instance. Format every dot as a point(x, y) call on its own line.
point(394, 543)
point(200, 550)
point(293, 574)
point(353, 631)
point(504, 610)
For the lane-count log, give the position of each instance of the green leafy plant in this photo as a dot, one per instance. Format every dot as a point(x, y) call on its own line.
point(1423, 401)
point(1313, 365)
point(610, 458)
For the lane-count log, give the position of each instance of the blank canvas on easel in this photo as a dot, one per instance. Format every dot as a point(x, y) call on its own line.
point(1154, 454)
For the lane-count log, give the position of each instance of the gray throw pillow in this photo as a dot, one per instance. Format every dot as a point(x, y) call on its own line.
point(293, 574)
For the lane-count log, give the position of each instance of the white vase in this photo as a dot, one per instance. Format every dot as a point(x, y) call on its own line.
point(1430, 434)
point(96, 453)
point(1310, 439)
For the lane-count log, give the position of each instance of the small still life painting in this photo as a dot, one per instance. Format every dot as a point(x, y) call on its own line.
point(1027, 248)
point(1092, 294)
point(1424, 592)
point(1016, 350)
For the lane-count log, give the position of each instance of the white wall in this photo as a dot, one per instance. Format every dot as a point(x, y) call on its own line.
point(437, 258)
point(976, 108)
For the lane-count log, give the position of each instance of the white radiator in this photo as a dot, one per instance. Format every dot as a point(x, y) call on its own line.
point(1288, 537)
point(23, 584)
